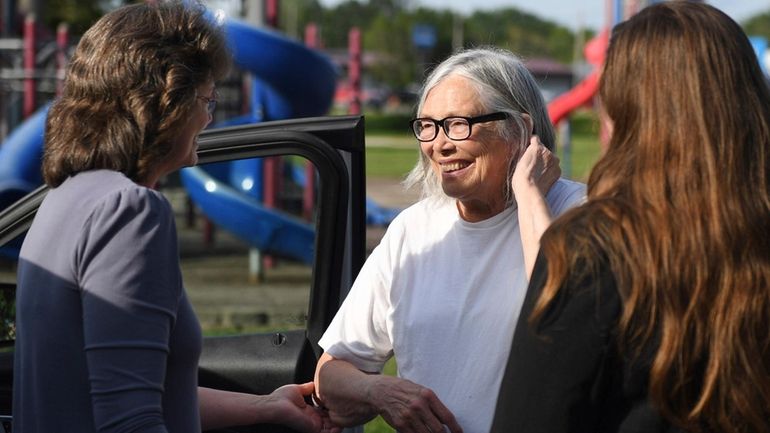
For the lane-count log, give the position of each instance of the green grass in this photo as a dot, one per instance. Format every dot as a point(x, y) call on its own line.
point(585, 151)
point(390, 162)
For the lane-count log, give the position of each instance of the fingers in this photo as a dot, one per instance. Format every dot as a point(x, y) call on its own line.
point(533, 154)
point(538, 167)
point(413, 408)
point(294, 393)
point(446, 417)
point(327, 426)
point(306, 388)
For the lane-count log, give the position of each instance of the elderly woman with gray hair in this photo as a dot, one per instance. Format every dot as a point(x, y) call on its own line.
point(443, 290)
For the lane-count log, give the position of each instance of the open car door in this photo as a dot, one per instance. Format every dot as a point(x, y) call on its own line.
point(238, 249)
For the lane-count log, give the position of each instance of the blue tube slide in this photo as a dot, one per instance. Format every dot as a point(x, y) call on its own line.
point(20, 157)
point(376, 214)
point(289, 81)
point(265, 229)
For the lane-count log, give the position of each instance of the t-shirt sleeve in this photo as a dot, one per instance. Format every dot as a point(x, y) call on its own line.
point(559, 372)
point(564, 195)
point(127, 265)
point(359, 331)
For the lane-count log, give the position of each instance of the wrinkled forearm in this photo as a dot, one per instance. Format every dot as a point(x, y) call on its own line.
point(345, 391)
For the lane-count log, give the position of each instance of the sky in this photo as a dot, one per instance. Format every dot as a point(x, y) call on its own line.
point(578, 13)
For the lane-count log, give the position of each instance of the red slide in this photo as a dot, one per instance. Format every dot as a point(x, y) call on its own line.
point(581, 94)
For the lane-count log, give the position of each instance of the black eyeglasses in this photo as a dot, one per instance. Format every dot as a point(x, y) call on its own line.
point(455, 127)
point(211, 102)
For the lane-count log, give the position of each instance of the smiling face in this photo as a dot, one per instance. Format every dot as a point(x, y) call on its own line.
point(475, 170)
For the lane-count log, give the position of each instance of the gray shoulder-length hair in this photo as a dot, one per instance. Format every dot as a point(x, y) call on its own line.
point(503, 84)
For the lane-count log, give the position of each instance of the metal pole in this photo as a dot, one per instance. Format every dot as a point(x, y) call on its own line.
point(308, 193)
point(271, 168)
point(565, 134)
point(618, 12)
point(29, 66)
point(271, 13)
point(354, 70)
point(9, 14)
point(62, 41)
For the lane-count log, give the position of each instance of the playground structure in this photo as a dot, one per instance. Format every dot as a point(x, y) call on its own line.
point(32, 69)
point(584, 92)
point(286, 79)
point(297, 81)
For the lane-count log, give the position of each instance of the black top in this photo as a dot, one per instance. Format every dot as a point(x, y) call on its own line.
point(567, 375)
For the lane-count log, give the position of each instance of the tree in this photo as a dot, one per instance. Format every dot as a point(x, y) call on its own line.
point(335, 22)
point(388, 24)
point(758, 25)
point(78, 14)
point(520, 32)
point(391, 38)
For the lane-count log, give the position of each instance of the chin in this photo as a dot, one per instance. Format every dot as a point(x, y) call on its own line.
point(191, 159)
point(451, 192)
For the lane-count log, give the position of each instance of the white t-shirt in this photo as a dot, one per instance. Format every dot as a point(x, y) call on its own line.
point(443, 296)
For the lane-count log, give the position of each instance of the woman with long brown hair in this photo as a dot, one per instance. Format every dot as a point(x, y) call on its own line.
point(649, 306)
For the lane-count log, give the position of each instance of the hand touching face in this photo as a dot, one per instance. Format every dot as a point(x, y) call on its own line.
point(537, 167)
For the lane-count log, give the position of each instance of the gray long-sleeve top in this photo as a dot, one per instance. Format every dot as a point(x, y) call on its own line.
point(107, 340)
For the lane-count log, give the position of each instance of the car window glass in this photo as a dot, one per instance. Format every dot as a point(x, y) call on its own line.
point(7, 304)
point(246, 234)
point(8, 255)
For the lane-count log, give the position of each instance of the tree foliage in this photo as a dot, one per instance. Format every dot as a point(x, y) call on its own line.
point(758, 25)
point(78, 14)
point(387, 27)
point(520, 32)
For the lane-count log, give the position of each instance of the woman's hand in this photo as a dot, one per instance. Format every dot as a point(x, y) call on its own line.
point(292, 410)
point(537, 167)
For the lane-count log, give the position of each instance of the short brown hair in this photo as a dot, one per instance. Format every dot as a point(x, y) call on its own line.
point(129, 89)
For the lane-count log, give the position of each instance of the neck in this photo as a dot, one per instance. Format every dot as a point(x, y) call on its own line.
point(151, 182)
point(474, 212)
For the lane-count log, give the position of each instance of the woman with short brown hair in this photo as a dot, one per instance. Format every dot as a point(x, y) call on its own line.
point(106, 338)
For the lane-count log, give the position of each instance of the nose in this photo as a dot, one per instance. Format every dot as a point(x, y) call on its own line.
point(442, 143)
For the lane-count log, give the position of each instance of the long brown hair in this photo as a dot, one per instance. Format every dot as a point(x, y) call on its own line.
point(129, 89)
point(679, 206)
